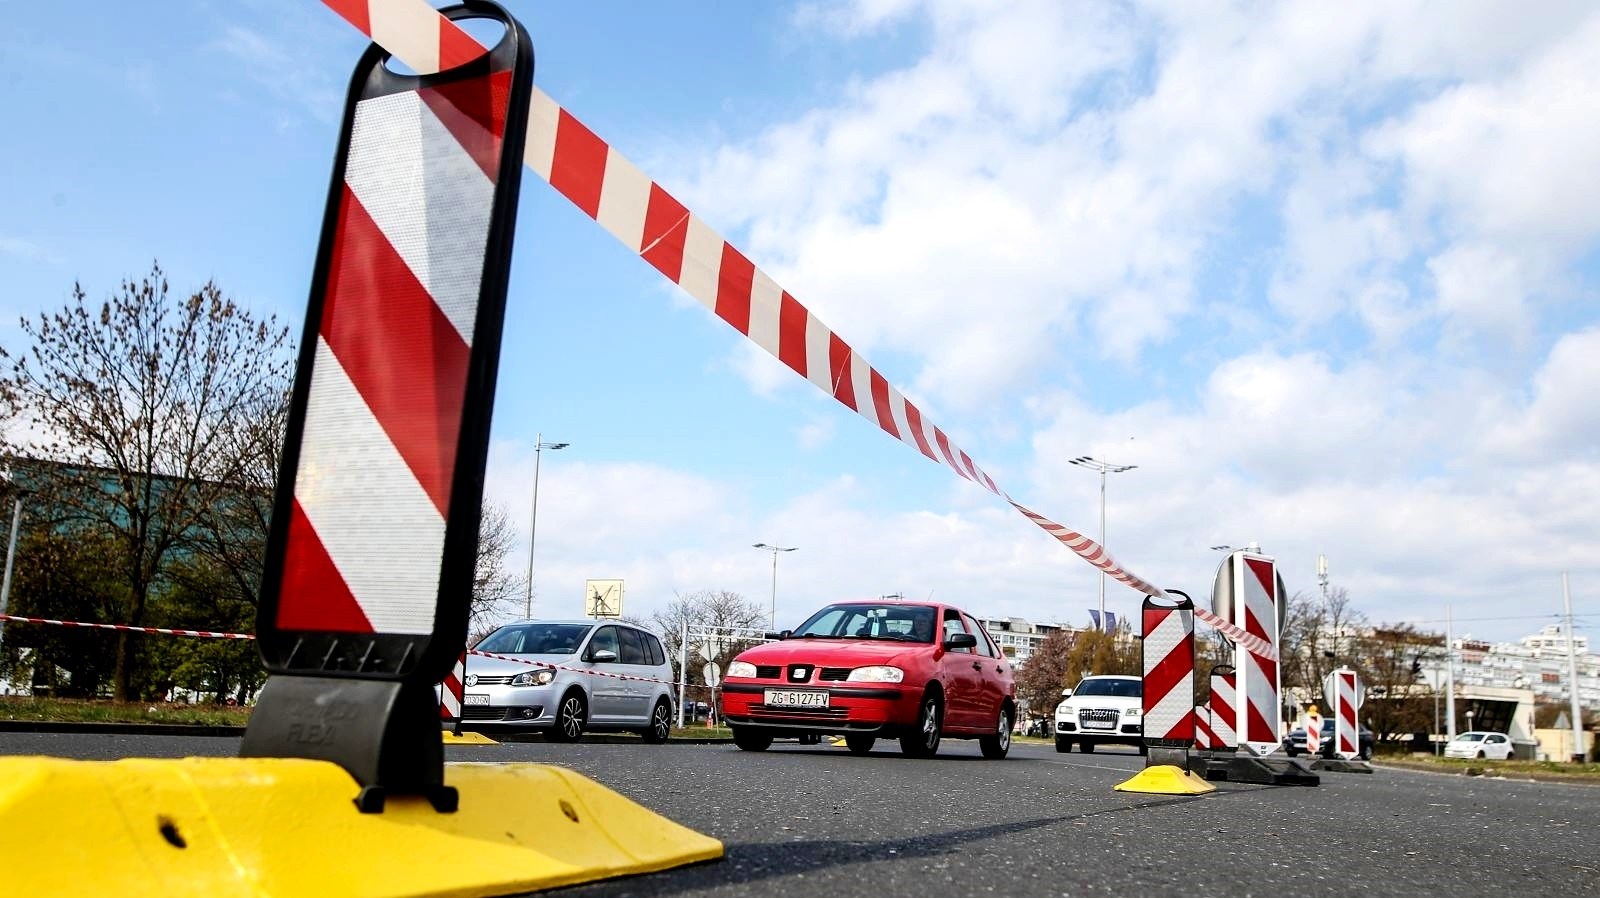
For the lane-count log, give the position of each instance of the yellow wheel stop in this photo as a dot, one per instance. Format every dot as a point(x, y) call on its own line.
point(288, 828)
point(1165, 779)
point(467, 738)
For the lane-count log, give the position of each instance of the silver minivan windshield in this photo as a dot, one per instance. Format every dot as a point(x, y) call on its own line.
point(535, 639)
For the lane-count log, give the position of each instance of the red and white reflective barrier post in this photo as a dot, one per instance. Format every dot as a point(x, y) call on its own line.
point(1222, 704)
point(1343, 688)
point(1168, 693)
point(1313, 731)
point(452, 694)
point(1204, 739)
point(1249, 592)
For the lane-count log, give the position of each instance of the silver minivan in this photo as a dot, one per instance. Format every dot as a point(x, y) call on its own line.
point(574, 695)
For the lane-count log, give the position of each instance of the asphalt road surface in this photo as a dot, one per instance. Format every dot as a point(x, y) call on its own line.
point(817, 821)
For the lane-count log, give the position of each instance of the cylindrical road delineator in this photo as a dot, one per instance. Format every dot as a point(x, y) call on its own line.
point(452, 694)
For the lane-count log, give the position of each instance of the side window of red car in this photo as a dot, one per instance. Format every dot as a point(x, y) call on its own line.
point(953, 625)
point(984, 648)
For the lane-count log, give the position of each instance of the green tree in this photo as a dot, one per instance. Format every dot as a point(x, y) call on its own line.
point(62, 578)
point(1040, 681)
point(145, 398)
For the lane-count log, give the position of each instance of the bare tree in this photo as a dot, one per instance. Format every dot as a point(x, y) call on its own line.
point(706, 608)
point(141, 398)
point(1318, 636)
point(492, 584)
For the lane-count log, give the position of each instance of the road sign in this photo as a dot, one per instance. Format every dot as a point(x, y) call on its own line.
point(602, 598)
point(712, 674)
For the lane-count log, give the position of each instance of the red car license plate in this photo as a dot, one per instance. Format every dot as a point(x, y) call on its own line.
point(776, 698)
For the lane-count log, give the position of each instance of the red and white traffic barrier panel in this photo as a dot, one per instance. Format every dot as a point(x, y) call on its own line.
point(1346, 694)
point(452, 692)
point(659, 229)
point(1168, 661)
point(129, 628)
point(1247, 590)
point(1313, 731)
point(1222, 704)
point(1204, 738)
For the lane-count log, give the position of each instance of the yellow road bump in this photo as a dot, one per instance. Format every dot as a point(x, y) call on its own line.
point(288, 828)
point(1165, 779)
point(838, 742)
point(467, 738)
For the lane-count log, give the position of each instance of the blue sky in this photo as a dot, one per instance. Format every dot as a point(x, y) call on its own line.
point(1331, 278)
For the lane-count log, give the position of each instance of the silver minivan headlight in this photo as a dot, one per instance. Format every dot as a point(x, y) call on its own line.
point(541, 677)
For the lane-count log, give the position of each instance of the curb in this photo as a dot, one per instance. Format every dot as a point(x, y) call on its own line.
point(182, 729)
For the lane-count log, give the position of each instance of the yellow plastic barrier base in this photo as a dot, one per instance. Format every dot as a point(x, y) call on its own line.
point(838, 741)
point(1165, 779)
point(467, 738)
point(288, 828)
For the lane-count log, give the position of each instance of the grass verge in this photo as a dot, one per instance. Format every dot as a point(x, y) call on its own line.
point(1540, 771)
point(84, 711)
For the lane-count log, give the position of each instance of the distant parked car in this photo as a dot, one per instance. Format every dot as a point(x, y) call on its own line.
point(562, 696)
point(1479, 744)
point(1295, 742)
point(912, 671)
point(1102, 710)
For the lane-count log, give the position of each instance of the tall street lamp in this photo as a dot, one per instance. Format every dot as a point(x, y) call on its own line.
point(1094, 464)
point(539, 445)
point(8, 485)
point(773, 620)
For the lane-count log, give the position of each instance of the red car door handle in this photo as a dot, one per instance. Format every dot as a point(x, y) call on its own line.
point(977, 666)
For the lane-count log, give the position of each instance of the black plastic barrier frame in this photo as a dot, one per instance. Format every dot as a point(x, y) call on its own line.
point(349, 685)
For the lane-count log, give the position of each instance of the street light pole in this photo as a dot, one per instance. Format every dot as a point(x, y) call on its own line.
point(11, 555)
point(773, 619)
point(539, 445)
point(1094, 464)
point(1572, 666)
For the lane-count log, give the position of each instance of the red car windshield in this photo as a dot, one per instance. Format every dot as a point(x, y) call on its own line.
point(900, 623)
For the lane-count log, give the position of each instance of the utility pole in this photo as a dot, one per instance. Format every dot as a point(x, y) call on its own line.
point(1449, 677)
point(1572, 673)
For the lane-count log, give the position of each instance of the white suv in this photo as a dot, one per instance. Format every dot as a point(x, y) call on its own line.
point(1102, 710)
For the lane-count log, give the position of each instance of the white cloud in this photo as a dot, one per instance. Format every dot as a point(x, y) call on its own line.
point(1038, 199)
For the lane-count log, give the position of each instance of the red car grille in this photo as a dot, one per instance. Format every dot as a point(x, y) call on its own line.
point(795, 713)
point(834, 674)
point(768, 671)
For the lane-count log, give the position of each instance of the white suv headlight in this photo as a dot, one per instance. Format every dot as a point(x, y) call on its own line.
point(541, 677)
point(877, 674)
point(741, 669)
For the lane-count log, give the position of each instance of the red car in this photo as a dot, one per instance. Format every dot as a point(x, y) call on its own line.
point(874, 670)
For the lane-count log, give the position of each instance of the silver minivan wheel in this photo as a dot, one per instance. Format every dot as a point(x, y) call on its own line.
point(571, 716)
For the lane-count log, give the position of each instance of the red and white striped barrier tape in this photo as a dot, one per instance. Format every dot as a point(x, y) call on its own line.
point(1239, 636)
point(679, 244)
point(582, 670)
point(125, 627)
